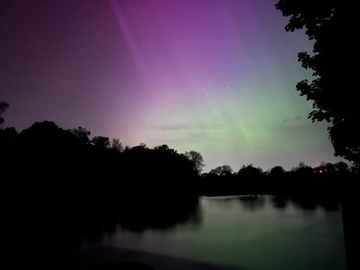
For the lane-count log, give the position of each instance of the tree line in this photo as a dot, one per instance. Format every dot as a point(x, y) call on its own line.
point(324, 181)
point(47, 163)
point(64, 181)
point(47, 159)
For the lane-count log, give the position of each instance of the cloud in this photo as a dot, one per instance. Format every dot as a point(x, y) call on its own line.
point(183, 126)
point(211, 126)
point(295, 119)
point(189, 138)
point(178, 126)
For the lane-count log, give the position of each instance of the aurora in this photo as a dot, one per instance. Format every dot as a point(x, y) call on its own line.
point(210, 75)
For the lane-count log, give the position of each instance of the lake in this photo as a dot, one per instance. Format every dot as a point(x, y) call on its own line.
point(242, 232)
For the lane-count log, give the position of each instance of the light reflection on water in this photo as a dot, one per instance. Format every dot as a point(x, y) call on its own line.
point(255, 233)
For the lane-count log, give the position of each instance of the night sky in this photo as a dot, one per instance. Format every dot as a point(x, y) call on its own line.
point(215, 76)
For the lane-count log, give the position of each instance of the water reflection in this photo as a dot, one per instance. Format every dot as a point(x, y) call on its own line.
point(311, 204)
point(279, 202)
point(330, 205)
point(162, 218)
point(252, 203)
point(241, 231)
point(248, 232)
point(225, 202)
point(305, 203)
point(54, 233)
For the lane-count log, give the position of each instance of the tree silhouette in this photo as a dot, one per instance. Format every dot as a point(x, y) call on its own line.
point(332, 25)
point(3, 107)
point(143, 145)
point(250, 171)
point(116, 145)
point(355, 168)
point(164, 147)
point(251, 178)
point(341, 167)
point(329, 167)
point(81, 134)
point(197, 159)
point(101, 142)
point(277, 171)
point(222, 170)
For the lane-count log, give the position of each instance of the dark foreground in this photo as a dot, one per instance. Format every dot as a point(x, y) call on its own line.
point(111, 258)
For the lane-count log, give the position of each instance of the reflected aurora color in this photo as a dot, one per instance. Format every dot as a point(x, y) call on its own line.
point(215, 76)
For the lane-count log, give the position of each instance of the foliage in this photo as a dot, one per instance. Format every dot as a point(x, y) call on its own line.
point(331, 24)
point(116, 145)
point(101, 142)
point(82, 134)
point(222, 170)
point(197, 159)
point(277, 171)
point(3, 107)
point(250, 171)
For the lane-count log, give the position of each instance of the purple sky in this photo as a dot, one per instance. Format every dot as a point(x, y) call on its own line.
point(215, 76)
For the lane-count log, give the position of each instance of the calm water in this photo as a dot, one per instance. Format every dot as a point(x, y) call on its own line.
point(263, 233)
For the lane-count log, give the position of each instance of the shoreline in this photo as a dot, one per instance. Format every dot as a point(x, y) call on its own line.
point(111, 258)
